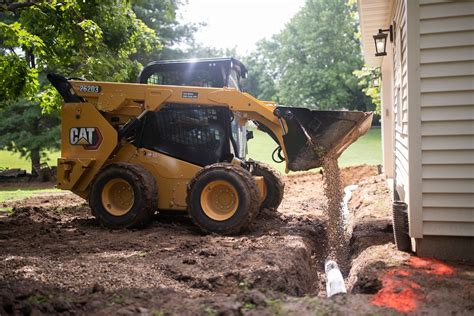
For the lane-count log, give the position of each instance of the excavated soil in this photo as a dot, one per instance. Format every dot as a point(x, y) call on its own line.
point(55, 258)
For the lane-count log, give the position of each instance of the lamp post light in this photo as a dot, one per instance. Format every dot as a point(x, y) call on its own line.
point(380, 40)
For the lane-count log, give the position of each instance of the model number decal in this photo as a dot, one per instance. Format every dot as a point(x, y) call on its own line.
point(189, 95)
point(89, 88)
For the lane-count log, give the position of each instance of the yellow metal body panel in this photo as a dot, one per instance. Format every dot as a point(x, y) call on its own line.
point(87, 141)
point(172, 175)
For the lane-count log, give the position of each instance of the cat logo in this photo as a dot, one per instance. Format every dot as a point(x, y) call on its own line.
point(88, 137)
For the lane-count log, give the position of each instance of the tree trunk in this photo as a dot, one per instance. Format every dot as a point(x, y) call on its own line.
point(35, 161)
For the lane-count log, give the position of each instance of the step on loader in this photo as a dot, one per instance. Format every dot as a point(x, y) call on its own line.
point(177, 141)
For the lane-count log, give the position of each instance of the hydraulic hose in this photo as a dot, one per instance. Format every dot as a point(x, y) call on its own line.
point(280, 156)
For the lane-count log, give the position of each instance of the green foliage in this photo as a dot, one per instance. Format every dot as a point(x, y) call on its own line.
point(366, 81)
point(38, 299)
point(262, 76)
point(244, 285)
point(8, 210)
point(211, 311)
point(248, 306)
point(142, 254)
point(310, 63)
point(200, 51)
point(98, 40)
point(26, 129)
point(158, 312)
point(17, 78)
point(161, 17)
point(275, 307)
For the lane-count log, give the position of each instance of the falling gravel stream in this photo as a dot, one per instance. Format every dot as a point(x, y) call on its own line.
point(337, 234)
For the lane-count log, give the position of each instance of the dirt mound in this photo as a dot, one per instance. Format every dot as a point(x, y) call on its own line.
point(55, 258)
point(354, 174)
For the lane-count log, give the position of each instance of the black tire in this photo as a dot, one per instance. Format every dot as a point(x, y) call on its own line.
point(248, 202)
point(274, 184)
point(144, 201)
point(400, 227)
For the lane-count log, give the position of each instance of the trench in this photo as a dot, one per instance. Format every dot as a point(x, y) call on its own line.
point(321, 239)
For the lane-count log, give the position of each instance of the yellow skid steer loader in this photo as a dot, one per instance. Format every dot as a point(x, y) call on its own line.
point(177, 141)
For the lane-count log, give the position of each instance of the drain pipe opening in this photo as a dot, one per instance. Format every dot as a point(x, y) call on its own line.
point(334, 280)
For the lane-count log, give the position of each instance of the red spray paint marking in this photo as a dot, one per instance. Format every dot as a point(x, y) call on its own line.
point(401, 293)
point(404, 301)
point(398, 292)
point(431, 266)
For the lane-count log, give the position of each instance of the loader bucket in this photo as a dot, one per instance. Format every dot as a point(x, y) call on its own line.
point(314, 135)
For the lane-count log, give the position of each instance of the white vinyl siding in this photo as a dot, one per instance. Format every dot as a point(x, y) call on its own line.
point(447, 116)
point(430, 66)
point(400, 101)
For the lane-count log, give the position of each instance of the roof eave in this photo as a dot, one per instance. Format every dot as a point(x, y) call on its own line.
point(373, 15)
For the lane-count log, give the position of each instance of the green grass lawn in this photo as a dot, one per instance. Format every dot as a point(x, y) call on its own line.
point(366, 150)
point(12, 160)
point(21, 193)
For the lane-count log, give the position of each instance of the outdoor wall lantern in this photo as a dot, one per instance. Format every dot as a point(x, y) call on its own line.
point(376, 81)
point(381, 41)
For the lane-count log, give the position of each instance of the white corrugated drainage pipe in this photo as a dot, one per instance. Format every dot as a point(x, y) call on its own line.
point(345, 204)
point(334, 280)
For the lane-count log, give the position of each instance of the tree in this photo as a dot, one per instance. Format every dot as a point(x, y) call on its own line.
point(262, 77)
point(175, 36)
point(312, 60)
point(367, 76)
point(27, 130)
point(94, 39)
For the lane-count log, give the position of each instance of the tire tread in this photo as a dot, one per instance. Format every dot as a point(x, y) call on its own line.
point(253, 191)
point(147, 185)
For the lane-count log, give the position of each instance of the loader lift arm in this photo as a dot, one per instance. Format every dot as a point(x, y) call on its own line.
point(304, 136)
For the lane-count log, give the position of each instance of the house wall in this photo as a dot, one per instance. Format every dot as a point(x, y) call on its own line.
point(433, 110)
point(386, 93)
point(432, 76)
point(446, 30)
point(407, 148)
point(400, 102)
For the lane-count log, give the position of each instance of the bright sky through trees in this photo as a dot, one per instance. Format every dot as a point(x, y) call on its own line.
point(238, 23)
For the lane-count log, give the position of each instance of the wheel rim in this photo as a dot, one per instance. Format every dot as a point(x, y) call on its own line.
point(219, 200)
point(117, 197)
point(264, 194)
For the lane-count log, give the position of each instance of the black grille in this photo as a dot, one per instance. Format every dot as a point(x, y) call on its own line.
point(195, 133)
point(189, 126)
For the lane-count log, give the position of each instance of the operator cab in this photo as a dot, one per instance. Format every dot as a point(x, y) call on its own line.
point(206, 72)
point(198, 134)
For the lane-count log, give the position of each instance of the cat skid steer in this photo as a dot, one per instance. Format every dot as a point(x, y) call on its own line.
point(177, 141)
